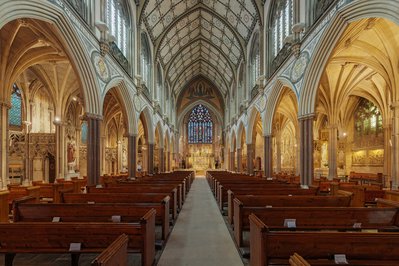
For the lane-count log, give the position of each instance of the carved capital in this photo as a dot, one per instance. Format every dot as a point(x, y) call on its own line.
point(104, 48)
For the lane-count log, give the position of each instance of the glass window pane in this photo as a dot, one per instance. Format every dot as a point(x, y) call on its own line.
point(200, 126)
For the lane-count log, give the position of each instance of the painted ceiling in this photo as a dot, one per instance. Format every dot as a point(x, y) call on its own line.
point(195, 38)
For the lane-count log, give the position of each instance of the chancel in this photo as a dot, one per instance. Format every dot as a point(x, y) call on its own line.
point(199, 132)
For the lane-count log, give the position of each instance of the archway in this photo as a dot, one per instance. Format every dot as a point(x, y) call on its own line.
point(256, 147)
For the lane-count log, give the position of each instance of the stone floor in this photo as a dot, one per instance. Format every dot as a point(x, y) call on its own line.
point(200, 236)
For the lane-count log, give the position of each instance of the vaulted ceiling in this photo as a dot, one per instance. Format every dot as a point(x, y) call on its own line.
point(194, 38)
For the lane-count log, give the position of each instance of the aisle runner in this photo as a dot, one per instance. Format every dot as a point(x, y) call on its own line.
point(200, 236)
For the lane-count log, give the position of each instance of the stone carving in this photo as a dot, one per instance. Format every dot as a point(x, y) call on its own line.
point(299, 67)
point(101, 67)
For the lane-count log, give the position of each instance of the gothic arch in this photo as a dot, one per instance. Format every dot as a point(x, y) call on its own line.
point(48, 12)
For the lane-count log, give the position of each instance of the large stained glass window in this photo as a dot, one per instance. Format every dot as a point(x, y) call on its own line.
point(83, 133)
point(200, 126)
point(368, 118)
point(15, 112)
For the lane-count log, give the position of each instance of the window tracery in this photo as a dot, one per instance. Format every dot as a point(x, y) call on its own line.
point(200, 126)
point(118, 18)
point(15, 112)
point(281, 24)
point(368, 119)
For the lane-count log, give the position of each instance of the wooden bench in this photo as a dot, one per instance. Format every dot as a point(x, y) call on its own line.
point(387, 203)
point(158, 202)
point(83, 212)
point(320, 218)
point(264, 192)
point(4, 206)
point(172, 191)
point(33, 237)
point(275, 247)
point(115, 254)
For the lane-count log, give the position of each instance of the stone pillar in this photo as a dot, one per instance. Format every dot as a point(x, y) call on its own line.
point(268, 156)
point(239, 160)
point(232, 159)
point(119, 157)
point(278, 152)
point(150, 158)
point(168, 162)
point(332, 152)
point(387, 152)
point(93, 149)
point(102, 156)
point(77, 152)
point(60, 149)
point(306, 150)
point(395, 146)
point(131, 156)
point(250, 158)
point(161, 167)
point(4, 146)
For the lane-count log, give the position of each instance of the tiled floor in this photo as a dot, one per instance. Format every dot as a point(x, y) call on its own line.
point(200, 236)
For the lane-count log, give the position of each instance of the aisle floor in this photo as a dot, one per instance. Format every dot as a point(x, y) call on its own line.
point(200, 236)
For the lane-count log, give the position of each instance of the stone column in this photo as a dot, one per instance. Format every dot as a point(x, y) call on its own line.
point(239, 160)
point(131, 156)
point(387, 152)
point(119, 157)
point(93, 149)
point(60, 149)
point(168, 162)
point(150, 158)
point(268, 156)
point(232, 159)
point(278, 152)
point(395, 145)
point(306, 150)
point(161, 167)
point(250, 158)
point(332, 152)
point(77, 152)
point(102, 157)
point(4, 146)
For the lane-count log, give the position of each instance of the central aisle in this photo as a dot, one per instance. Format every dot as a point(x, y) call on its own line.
point(200, 236)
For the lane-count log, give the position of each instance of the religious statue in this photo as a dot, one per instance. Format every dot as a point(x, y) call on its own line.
point(71, 153)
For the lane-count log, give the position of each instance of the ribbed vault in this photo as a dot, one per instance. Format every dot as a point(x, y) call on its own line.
point(200, 37)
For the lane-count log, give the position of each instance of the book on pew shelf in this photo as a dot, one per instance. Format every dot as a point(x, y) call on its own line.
point(90, 202)
point(99, 186)
point(340, 259)
point(370, 230)
point(290, 223)
point(357, 225)
point(269, 206)
point(56, 219)
point(75, 246)
point(116, 218)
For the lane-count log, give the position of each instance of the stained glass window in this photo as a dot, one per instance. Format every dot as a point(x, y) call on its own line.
point(282, 20)
point(15, 112)
point(200, 126)
point(145, 60)
point(255, 62)
point(368, 118)
point(118, 23)
point(83, 133)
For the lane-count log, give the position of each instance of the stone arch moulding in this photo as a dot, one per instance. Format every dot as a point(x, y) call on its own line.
point(241, 129)
point(207, 105)
point(251, 123)
point(148, 117)
point(328, 41)
point(233, 138)
point(127, 100)
point(158, 126)
point(50, 13)
point(272, 101)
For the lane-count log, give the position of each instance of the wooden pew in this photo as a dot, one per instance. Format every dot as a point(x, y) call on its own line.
point(156, 201)
point(16, 192)
point(83, 212)
point(297, 260)
point(387, 203)
point(115, 254)
point(49, 191)
point(33, 237)
point(172, 191)
point(4, 206)
point(392, 195)
point(275, 247)
point(321, 218)
point(264, 192)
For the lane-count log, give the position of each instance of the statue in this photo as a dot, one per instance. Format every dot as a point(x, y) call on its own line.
point(71, 153)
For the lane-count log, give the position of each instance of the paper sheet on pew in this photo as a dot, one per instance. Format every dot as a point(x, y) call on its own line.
point(290, 223)
point(116, 218)
point(99, 186)
point(75, 246)
point(56, 219)
point(357, 225)
point(340, 259)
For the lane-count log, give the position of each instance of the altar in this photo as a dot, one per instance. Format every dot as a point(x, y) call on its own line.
point(200, 157)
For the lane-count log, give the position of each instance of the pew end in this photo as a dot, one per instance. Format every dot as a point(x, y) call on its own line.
point(115, 254)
